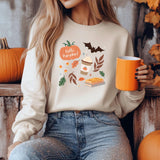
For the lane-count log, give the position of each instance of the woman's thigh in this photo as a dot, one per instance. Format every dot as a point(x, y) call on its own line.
point(105, 139)
point(42, 149)
point(114, 152)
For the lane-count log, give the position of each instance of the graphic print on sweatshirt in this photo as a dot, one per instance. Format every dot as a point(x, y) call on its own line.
point(81, 66)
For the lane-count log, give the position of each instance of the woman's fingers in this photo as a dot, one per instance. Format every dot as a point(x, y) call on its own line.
point(143, 67)
point(144, 72)
point(148, 82)
point(144, 76)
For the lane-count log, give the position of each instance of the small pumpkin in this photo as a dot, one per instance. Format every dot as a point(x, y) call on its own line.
point(149, 148)
point(11, 65)
point(70, 51)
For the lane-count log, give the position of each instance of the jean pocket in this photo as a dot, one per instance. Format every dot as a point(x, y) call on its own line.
point(106, 118)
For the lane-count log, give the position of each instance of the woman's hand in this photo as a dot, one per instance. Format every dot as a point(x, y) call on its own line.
point(11, 147)
point(144, 76)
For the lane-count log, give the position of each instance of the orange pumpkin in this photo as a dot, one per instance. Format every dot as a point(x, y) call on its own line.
point(11, 68)
point(149, 148)
point(70, 51)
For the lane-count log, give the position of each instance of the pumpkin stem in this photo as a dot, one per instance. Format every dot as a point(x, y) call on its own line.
point(4, 43)
point(73, 43)
point(65, 44)
point(69, 44)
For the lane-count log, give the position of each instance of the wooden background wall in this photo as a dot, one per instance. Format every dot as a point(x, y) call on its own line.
point(16, 15)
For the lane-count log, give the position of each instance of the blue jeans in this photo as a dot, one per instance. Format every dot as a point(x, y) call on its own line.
point(88, 135)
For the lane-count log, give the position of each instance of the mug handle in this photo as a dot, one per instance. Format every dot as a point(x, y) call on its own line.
point(142, 62)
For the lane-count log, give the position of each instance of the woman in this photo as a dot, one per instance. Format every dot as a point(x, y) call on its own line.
point(69, 75)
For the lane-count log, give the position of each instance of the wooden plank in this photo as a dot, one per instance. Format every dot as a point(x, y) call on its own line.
point(12, 105)
point(146, 119)
point(10, 90)
point(15, 90)
point(152, 91)
point(9, 107)
point(3, 130)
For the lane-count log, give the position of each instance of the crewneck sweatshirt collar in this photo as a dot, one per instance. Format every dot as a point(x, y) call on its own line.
point(72, 23)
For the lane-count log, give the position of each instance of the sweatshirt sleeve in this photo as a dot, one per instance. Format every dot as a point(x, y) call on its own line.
point(32, 115)
point(127, 101)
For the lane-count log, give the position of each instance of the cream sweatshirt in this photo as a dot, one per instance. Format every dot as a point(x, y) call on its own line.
point(82, 77)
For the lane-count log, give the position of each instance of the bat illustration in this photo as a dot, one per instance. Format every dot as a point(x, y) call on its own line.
point(93, 49)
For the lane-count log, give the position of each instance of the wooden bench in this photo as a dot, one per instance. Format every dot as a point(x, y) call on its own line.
point(10, 104)
point(137, 124)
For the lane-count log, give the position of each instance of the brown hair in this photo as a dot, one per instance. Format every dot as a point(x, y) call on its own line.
point(47, 26)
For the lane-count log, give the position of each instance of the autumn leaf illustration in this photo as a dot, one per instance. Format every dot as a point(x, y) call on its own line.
point(73, 78)
point(62, 81)
point(155, 51)
point(75, 63)
point(152, 17)
point(98, 63)
point(102, 73)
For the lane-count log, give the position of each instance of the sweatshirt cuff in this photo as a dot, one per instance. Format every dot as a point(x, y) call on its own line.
point(21, 136)
point(136, 94)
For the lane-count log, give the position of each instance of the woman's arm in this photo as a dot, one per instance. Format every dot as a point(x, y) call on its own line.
point(32, 116)
point(127, 101)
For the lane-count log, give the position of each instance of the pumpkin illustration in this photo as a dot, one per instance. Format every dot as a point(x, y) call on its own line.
point(11, 67)
point(70, 51)
point(149, 148)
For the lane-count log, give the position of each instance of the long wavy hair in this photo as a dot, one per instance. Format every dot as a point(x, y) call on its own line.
point(47, 26)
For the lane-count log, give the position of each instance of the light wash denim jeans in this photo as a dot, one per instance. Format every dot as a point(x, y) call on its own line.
point(88, 135)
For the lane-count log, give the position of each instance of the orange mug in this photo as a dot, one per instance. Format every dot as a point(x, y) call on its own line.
point(125, 73)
